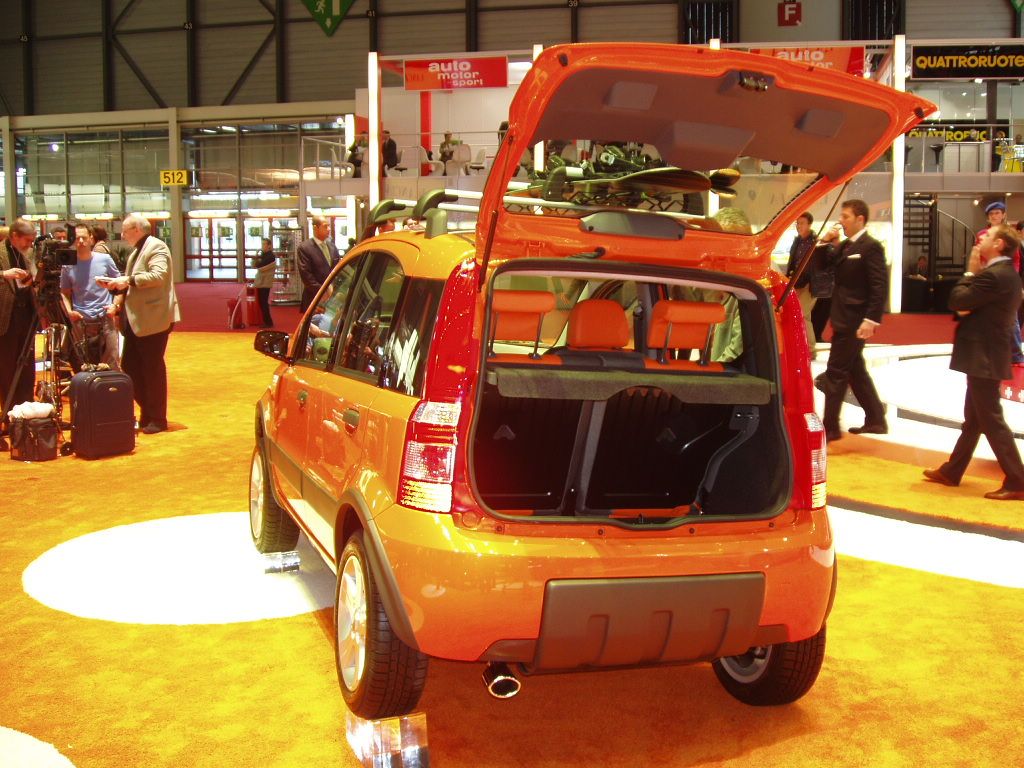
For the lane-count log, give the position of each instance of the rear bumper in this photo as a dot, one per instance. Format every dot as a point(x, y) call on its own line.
point(590, 601)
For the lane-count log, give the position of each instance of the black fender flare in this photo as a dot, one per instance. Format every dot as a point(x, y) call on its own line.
point(383, 575)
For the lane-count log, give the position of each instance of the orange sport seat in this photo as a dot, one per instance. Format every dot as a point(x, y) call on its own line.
point(683, 325)
point(518, 316)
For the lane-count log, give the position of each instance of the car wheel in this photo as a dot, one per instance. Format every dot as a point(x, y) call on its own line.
point(380, 675)
point(773, 674)
point(271, 528)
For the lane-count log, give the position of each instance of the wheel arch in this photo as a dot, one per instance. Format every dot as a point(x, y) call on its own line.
point(353, 515)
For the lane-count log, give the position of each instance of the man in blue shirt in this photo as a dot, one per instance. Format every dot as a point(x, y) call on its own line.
point(89, 305)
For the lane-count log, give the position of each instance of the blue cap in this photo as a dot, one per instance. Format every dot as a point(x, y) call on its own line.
point(996, 206)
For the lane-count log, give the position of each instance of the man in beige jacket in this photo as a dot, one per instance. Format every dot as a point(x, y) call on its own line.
point(150, 309)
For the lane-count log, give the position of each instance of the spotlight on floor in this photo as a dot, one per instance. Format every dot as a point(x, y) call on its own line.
point(281, 562)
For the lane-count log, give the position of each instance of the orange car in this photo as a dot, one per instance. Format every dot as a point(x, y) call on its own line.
point(584, 436)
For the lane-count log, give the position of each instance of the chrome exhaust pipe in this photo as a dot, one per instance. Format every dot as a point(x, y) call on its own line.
point(500, 680)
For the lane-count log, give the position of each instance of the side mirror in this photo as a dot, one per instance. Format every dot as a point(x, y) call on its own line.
point(272, 344)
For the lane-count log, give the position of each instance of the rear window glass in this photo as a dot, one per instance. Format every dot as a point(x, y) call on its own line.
point(579, 177)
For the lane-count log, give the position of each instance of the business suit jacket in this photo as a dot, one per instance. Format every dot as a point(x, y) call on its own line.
point(981, 346)
point(151, 304)
point(862, 282)
point(313, 268)
point(6, 289)
point(389, 153)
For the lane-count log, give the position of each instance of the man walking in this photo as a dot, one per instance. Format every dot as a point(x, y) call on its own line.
point(150, 309)
point(858, 300)
point(317, 256)
point(986, 300)
point(995, 214)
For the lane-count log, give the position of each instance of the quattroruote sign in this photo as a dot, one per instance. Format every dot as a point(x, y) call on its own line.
point(328, 13)
point(963, 62)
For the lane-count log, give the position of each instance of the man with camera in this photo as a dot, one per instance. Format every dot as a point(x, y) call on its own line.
point(17, 319)
point(89, 305)
point(146, 296)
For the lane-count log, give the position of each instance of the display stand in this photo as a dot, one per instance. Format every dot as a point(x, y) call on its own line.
point(394, 742)
point(287, 286)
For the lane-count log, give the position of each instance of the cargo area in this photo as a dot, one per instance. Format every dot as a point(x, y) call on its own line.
point(616, 425)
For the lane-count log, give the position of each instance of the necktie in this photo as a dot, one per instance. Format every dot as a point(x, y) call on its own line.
point(327, 254)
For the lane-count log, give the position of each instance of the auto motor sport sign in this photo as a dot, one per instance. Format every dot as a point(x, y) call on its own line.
point(848, 59)
point(452, 74)
point(952, 62)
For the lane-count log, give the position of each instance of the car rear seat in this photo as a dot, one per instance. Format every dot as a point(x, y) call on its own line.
point(598, 334)
point(683, 325)
point(518, 316)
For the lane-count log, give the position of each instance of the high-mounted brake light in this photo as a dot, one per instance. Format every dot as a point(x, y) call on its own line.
point(428, 463)
point(819, 458)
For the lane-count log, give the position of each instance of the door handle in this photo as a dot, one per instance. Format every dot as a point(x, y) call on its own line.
point(350, 416)
point(302, 397)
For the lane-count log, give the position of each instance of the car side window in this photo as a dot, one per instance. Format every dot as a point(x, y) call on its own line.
point(373, 308)
point(328, 317)
point(405, 354)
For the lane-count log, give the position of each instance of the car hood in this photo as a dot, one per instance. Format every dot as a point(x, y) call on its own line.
point(691, 108)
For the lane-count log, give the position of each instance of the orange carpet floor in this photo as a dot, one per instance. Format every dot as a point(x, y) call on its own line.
point(920, 669)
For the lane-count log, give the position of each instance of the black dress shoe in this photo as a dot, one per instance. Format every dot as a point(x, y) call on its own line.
point(870, 429)
point(936, 476)
point(1005, 494)
point(831, 435)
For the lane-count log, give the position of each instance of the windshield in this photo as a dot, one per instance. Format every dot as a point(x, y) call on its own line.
point(582, 176)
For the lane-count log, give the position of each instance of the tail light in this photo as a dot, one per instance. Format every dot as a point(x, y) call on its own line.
point(819, 458)
point(428, 463)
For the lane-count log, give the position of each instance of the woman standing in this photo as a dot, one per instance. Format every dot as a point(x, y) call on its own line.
point(266, 264)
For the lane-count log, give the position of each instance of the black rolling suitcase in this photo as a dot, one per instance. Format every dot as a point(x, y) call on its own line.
point(102, 414)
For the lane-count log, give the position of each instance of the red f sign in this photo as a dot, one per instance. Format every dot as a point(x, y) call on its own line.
point(790, 14)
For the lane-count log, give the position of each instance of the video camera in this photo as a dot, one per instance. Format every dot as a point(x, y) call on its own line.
point(51, 256)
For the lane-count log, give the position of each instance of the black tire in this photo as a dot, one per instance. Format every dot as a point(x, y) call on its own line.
point(773, 674)
point(271, 528)
point(392, 674)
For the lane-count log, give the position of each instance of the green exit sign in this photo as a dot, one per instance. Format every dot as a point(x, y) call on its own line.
point(329, 13)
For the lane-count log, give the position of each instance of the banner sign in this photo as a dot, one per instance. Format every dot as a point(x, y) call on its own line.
point(451, 74)
point(962, 130)
point(328, 13)
point(849, 60)
point(952, 62)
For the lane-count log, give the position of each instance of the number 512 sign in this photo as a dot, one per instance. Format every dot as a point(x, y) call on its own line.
point(174, 178)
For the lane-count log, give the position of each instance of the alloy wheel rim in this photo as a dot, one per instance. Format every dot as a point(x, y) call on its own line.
point(351, 623)
point(256, 496)
point(748, 667)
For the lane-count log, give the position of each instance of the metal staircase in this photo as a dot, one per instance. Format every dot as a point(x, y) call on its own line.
point(946, 242)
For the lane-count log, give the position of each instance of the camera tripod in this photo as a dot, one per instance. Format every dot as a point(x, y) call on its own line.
point(48, 388)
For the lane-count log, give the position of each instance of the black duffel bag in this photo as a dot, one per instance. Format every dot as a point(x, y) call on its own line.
point(34, 439)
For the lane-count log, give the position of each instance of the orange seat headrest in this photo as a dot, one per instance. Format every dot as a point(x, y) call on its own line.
point(518, 314)
point(682, 324)
point(598, 324)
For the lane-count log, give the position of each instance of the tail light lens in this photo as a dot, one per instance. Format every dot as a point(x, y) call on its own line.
point(428, 463)
point(819, 458)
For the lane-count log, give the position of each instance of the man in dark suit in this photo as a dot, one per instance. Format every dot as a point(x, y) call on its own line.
point(389, 151)
point(17, 321)
point(316, 257)
point(986, 300)
point(858, 300)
